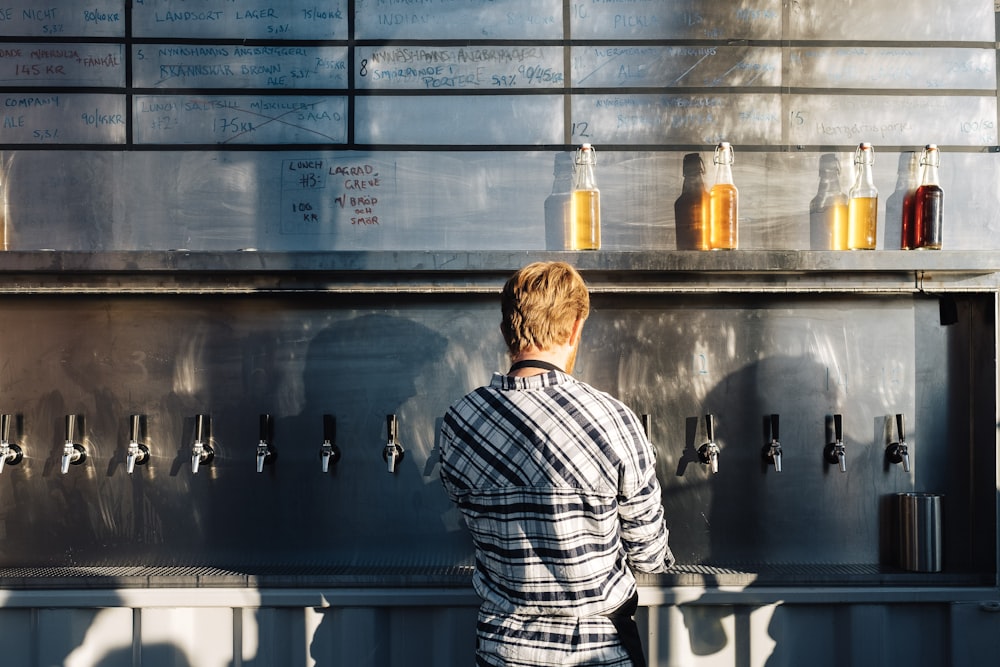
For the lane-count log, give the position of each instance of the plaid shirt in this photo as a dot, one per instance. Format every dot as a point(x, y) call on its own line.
point(557, 483)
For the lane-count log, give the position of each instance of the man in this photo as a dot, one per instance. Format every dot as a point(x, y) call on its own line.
point(557, 483)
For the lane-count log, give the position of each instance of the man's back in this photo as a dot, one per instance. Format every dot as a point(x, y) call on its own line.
point(557, 483)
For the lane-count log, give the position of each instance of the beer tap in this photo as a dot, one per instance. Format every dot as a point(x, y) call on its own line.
point(899, 452)
point(834, 452)
point(201, 451)
point(392, 454)
point(73, 452)
point(265, 452)
point(709, 452)
point(772, 450)
point(10, 453)
point(329, 452)
point(136, 453)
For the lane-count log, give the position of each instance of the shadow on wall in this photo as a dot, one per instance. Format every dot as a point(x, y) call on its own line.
point(154, 655)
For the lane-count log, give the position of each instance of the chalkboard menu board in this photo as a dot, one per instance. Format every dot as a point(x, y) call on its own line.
point(467, 110)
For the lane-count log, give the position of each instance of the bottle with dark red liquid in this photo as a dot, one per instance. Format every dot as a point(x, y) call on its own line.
point(929, 201)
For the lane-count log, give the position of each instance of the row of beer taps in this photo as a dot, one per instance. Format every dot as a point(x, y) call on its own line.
point(202, 452)
point(834, 452)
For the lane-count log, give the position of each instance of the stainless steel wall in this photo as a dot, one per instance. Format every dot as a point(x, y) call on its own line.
point(187, 629)
point(456, 201)
point(362, 357)
point(358, 566)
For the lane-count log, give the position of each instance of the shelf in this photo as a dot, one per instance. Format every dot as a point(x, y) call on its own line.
point(429, 272)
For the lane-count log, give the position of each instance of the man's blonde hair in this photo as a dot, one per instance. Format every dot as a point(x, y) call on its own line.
point(540, 303)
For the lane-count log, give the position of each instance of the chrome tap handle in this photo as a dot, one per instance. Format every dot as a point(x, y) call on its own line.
point(73, 453)
point(67, 458)
point(391, 456)
point(325, 455)
point(265, 453)
point(904, 450)
point(709, 452)
point(136, 453)
point(10, 453)
point(392, 453)
point(772, 450)
point(899, 452)
point(709, 455)
point(131, 456)
point(5, 450)
point(835, 453)
point(197, 455)
point(329, 452)
point(201, 452)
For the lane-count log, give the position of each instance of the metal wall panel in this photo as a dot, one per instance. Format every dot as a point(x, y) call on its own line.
point(691, 634)
point(361, 358)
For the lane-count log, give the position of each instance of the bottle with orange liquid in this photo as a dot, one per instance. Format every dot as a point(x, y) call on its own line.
point(929, 202)
point(862, 206)
point(585, 204)
point(723, 200)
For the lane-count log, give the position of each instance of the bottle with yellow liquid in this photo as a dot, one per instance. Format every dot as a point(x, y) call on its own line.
point(723, 202)
point(585, 204)
point(862, 207)
point(828, 209)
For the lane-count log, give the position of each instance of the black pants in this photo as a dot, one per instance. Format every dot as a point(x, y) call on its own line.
point(623, 619)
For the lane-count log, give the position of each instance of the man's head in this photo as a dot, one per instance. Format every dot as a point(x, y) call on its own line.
point(541, 304)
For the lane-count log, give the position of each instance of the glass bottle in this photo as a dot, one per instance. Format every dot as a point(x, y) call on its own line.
point(908, 214)
point(585, 206)
point(557, 204)
point(723, 202)
point(929, 201)
point(3, 202)
point(691, 208)
point(862, 207)
point(828, 209)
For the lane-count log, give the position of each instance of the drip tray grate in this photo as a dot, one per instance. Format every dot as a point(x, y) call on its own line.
point(414, 575)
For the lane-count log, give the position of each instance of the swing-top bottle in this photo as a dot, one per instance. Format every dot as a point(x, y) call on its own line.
point(862, 205)
point(929, 201)
point(585, 205)
point(723, 201)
